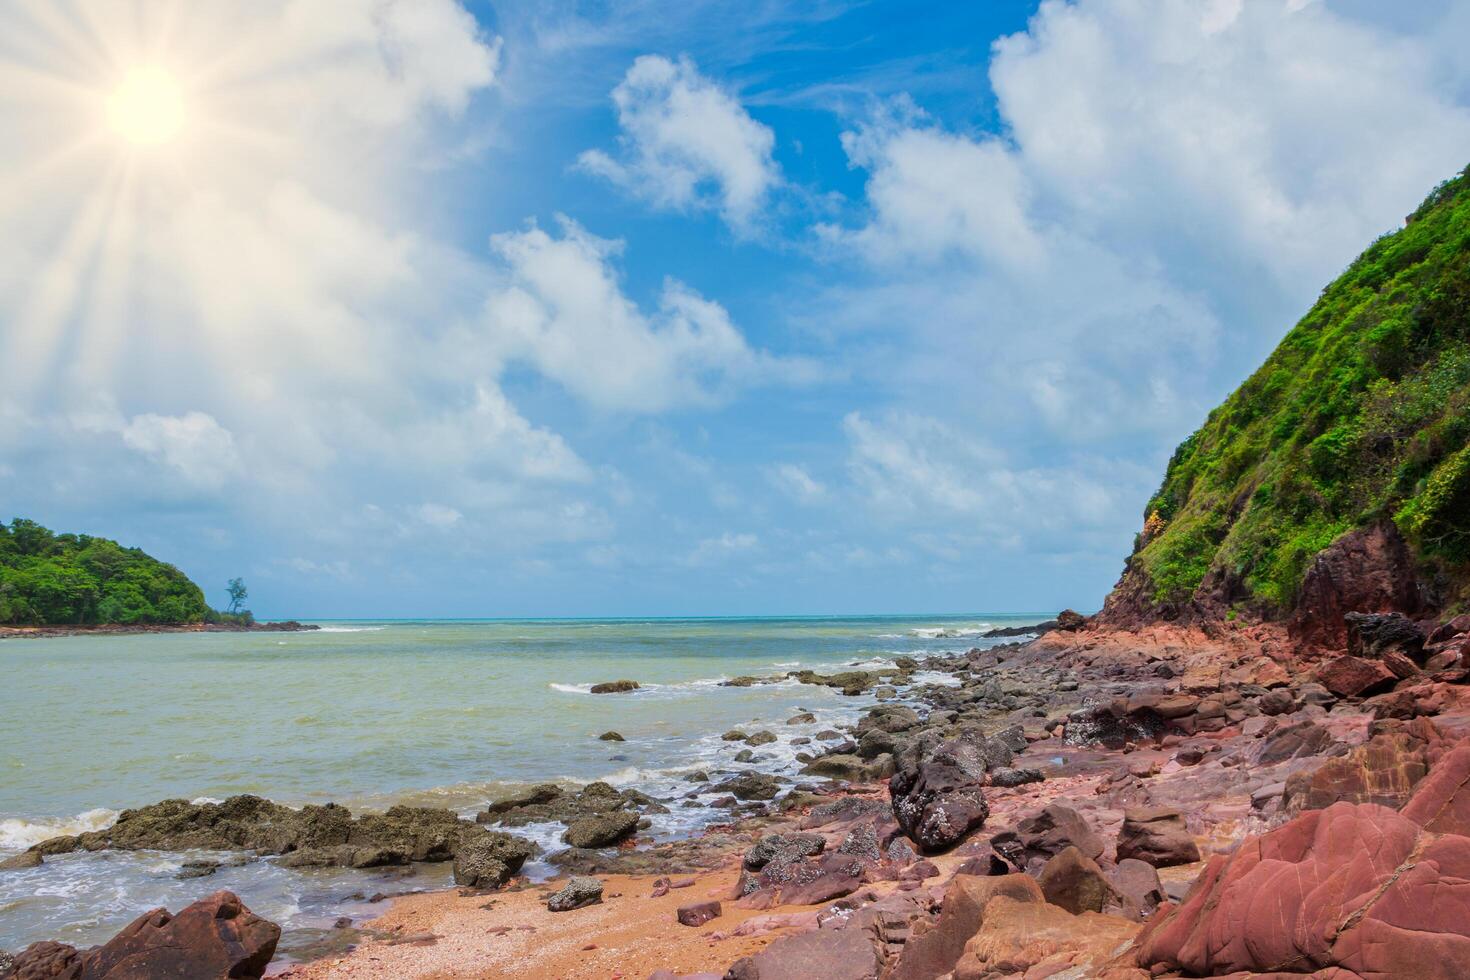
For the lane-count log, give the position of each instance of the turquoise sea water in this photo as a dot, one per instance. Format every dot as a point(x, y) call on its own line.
point(372, 713)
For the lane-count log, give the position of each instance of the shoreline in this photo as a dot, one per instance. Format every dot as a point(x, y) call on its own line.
point(131, 629)
point(1208, 739)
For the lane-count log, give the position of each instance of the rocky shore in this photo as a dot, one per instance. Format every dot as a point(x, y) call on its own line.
point(124, 629)
point(1167, 801)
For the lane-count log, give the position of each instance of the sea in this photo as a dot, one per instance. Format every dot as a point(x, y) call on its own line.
point(371, 714)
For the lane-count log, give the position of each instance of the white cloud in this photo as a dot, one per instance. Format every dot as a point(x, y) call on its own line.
point(438, 515)
point(722, 548)
point(563, 310)
point(687, 144)
point(1173, 185)
point(795, 481)
point(194, 444)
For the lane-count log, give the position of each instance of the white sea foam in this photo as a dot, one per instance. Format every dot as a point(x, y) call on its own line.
point(949, 632)
point(349, 629)
point(17, 834)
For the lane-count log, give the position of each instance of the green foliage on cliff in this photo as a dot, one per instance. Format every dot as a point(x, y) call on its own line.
point(1361, 415)
point(51, 579)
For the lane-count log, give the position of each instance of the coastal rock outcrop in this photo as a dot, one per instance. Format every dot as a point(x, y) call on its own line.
point(313, 836)
point(216, 937)
point(1355, 886)
point(490, 859)
point(1156, 836)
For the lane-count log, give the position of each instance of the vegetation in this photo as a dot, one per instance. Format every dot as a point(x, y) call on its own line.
point(1361, 415)
point(51, 579)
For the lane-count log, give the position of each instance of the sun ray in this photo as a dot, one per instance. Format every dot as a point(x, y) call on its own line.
point(36, 333)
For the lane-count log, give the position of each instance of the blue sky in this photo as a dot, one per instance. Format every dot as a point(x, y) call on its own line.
point(520, 309)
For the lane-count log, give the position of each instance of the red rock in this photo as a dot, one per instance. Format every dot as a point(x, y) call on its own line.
point(1017, 937)
point(819, 890)
point(1385, 771)
point(1073, 881)
point(1355, 886)
point(1349, 676)
point(1441, 802)
point(1156, 836)
point(697, 913)
point(832, 954)
point(1367, 569)
point(935, 952)
point(1399, 663)
point(215, 937)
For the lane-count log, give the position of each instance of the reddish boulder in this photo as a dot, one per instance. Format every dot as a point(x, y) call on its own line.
point(1355, 886)
point(1045, 834)
point(935, 952)
point(1293, 742)
point(1073, 881)
point(1441, 803)
point(1348, 676)
point(833, 954)
point(1157, 837)
point(697, 913)
point(1017, 938)
point(216, 937)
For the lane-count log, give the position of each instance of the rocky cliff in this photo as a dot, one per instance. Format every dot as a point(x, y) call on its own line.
point(1337, 477)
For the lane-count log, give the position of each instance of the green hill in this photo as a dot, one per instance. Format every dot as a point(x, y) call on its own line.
point(1360, 418)
point(51, 579)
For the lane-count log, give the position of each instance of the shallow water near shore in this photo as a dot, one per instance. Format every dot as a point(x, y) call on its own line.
point(369, 714)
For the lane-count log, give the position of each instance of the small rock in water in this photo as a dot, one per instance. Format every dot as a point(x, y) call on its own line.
point(26, 859)
point(578, 893)
point(614, 687)
point(610, 737)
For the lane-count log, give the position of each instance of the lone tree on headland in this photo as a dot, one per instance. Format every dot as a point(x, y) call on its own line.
point(238, 593)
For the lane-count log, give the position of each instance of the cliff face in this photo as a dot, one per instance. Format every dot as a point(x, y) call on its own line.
point(1337, 477)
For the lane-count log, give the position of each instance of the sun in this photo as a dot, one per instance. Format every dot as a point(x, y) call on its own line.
point(147, 109)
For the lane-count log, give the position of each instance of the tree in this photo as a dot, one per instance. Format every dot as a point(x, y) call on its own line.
point(238, 594)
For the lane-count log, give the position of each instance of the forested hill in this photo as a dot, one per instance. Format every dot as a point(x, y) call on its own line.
point(1338, 474)
point(51, 579)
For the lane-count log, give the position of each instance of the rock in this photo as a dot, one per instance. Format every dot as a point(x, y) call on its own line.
point(697, 913)
point(614, 687)
point(1073, 881)
point(1017, 937)
point(760, 738)
point(1015, 777)
point(313, 835)
point(1157, 837)
point(821, 889)
point(603, 830)
point(578, 893)
point(610, 737)
point(734, 735)
point(539, 794)
point(831, 954)
point(891, 718)
point(935, 953)
point(875, 742)
point(1137, 885)
point(1052, 830)
point(490, 859)
point(802, 718)
point(1369, 568)
point(1348, 676)
point(1385, 771)
point(1069, 621)
point(750, 786)
point(1372, 635)
point(216, 936)
point(25, 859)
point(1355, 886)
point(841, 766)
point(1441, 803)
point(1277, 702)
point(774, 846)
point(1295, 741)
point(937, 798)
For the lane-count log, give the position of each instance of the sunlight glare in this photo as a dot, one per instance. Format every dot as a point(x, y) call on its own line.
point(147, 109)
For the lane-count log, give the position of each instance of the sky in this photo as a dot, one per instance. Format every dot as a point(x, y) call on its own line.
point(420, 308)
